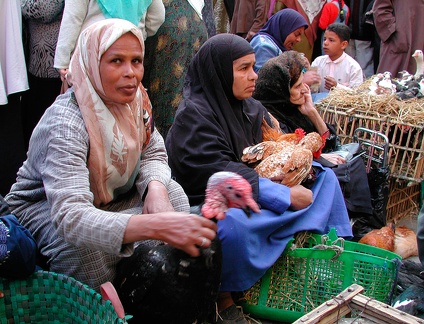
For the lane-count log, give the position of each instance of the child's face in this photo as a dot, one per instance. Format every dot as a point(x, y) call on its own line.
point(333, 46)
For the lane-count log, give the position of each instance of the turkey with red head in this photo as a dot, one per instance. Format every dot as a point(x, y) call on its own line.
point(162, 284)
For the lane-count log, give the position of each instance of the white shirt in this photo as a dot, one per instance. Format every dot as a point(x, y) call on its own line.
point(13, 72)
point(345, 70)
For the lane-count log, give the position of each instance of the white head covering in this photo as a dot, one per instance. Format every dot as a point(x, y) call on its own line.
point(118, 132)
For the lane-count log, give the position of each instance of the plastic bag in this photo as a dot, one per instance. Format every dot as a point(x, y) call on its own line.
point(18, 249)
point(378, 181)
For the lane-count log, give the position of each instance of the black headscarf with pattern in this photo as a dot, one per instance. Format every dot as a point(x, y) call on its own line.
point(275, 79)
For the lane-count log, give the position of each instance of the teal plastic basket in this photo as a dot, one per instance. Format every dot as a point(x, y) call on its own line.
point(47, 297)
point(305, 277)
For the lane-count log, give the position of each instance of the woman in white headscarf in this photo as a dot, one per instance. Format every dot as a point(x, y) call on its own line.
point(96, 178)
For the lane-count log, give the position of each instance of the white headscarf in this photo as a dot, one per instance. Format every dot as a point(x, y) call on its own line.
point(118, 132)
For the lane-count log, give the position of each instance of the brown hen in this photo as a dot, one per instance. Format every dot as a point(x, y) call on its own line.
point(276, 135)
point(401, 240)
point(405, 242)
point(286, 158)
point(383, 238)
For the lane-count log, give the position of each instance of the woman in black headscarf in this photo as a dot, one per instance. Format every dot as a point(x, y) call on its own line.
point(281, 90)
point(215, 121)
point(275, 89)
point(221, 126)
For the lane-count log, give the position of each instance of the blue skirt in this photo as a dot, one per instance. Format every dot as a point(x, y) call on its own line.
point(252, 245)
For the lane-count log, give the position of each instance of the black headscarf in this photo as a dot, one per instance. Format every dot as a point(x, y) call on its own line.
point(211, 127)
point(275, 79)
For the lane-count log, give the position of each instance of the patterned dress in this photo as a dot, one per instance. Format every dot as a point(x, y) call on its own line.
point(167, 56)
point(42, 19)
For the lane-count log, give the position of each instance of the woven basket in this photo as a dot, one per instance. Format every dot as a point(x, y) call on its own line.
point(47, 297)
point(406, 145)
point(303, 278)
point(405, 200)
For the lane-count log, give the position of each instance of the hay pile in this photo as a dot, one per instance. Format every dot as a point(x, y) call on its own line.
point(359, 101)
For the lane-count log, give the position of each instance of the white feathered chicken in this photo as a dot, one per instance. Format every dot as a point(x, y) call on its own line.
point(418, 56)
point(381, 84)
point(161, 284)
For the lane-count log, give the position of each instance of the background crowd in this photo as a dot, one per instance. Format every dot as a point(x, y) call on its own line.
point(31, 56)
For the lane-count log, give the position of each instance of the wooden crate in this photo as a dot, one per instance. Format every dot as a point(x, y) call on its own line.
point(404, 199)
point(351, 301)
point(406, 145)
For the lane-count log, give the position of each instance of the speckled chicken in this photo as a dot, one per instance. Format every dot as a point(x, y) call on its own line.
point(383, 238)
point(163, 285)
point(405, 242)
point(286, 157)
point(401, 240)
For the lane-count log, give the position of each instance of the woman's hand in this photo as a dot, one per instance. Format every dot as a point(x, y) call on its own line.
point(334, 158)
point(157, 199)
point(300, 197)
point(311, 77)
point(63, 73)
point(309, 111)
point(308, 107)
point(184, 231)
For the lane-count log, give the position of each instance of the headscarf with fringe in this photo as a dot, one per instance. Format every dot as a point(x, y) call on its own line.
point(118, 132)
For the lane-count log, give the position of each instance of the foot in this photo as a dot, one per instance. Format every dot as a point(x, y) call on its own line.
point(233, 314)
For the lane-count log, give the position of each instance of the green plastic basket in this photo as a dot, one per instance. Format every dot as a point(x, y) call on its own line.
point(47, 297)
point(304, 278)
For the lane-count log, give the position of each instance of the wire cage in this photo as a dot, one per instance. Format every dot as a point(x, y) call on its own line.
point(405, 154)
point(356, 308)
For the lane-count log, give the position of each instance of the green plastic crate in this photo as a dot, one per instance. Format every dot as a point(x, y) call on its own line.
point(304, 278)
point(47, 297)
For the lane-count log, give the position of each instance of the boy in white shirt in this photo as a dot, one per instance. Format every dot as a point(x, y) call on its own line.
point(336, 68)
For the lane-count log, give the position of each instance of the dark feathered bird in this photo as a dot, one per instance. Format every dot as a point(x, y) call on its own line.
point(410, 288)
point(408, 94)
point(411, 301)
point(161, 284)
point(409, 274)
